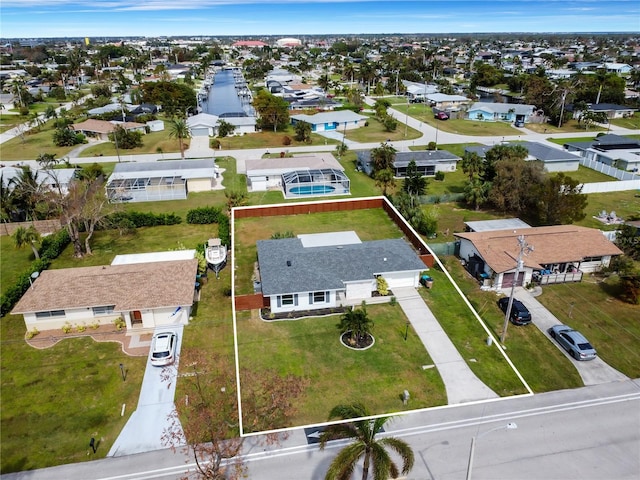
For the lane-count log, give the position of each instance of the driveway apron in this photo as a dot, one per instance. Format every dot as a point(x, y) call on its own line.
point(460, 382)
point(143, 431)
point(592, 372)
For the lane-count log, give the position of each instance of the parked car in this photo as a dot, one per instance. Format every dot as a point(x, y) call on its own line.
point(573, 342)
point(519, 123)
point(163, 348)
point(519, 314)
point(441, 116)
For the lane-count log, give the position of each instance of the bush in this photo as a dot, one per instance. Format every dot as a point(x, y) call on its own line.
point(31, 333)
point(205, 215)
point(66, 328)
point(215, 143)
point(286, 140)
point(431, 146)
point(53, 245)
point(439, 175)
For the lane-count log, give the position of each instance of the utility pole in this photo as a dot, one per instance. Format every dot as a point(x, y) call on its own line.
point(525, 249)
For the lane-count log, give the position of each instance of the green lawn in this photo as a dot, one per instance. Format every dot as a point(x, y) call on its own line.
point(624, 204)
point(273, 140)
point(54, 400)
point(154, 142)
point(34, 143)
point(310, 348)
point(14, 261)
point(567, 127)
point(610, 325)
point(376, 132)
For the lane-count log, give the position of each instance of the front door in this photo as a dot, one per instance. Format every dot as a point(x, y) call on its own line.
point(136, 317)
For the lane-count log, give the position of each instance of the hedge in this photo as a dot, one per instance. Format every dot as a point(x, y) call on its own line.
point(205, 215)
point(52, 246)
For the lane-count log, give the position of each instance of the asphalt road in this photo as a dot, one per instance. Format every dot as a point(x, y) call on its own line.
point(587, 433)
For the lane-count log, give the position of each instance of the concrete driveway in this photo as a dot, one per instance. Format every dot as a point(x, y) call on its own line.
point(460, 382)
point(592, 372)
point(143, 431)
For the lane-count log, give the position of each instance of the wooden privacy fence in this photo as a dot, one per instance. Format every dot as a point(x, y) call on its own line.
point(42, 226)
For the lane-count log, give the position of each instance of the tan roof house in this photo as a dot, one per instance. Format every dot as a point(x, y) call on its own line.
point(561, 253)
point(145, 295)
point(101, 128)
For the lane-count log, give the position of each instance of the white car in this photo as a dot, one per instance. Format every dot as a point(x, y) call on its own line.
point(163, 349)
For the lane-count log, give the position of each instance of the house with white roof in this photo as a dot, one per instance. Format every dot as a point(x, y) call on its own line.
point(332, 120)
point(442, 101)
point(501, 112)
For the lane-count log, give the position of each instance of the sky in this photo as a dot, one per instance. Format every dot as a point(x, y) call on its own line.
point(115, 18)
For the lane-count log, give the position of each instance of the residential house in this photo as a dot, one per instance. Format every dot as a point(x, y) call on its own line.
point(610, 109)
point(167, 180)
point(503, 112)
point(443, 101)
point(58, 179)
point(561, 253)
point(615, 150)
point(101, 129)
point(553, 159)
point(327, 270)
point(144, 295)
point(333, 120)
point(428, 162)
point(321, 175)
point(203, 125)
point(618, 68)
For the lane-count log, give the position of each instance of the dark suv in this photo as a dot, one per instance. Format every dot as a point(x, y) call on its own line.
point(519, 313)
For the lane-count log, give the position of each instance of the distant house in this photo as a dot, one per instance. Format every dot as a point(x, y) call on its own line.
point(554, 159)
point(561, 253)
point(428, 162)
point(101, 129)
point(443, 101)
point(503, 112)
point(299, 176)
point(203, 125)
point(619, 68)
point(58, 179)
point(166, 180)
point(334, 120)
point(611, 110)
point(320, 271)
point(144, 295)
point(615, 150)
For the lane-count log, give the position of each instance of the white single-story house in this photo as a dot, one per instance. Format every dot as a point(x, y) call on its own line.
point(243, 124)
point(321, 170)
point(611, 110)
point(615, 150)
point(554, 159)
point(503, 112)
point(418, 91)
point(331, 269)
point(428, 162)
point(155, 125)
point(619, 68)
point(561, 253)
point(203, 125)
point(164, 180)
point(144, 295)
point(101, 128)
point(57, 179)
point(333, 120)
point(442, 101)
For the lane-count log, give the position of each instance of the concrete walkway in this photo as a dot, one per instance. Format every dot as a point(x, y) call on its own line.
point(592, 372)
point(460, 382)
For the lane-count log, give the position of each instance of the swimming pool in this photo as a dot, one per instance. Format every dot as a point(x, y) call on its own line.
point(312, 190)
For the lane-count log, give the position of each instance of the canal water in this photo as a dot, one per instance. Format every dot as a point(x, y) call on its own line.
point(225, 100)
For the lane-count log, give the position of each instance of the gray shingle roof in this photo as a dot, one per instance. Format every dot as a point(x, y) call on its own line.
point(327, 268)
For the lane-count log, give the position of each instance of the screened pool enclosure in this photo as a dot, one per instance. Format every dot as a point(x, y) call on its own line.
point(301, 183)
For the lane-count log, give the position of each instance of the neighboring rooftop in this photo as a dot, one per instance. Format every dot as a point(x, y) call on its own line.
point(501, 224)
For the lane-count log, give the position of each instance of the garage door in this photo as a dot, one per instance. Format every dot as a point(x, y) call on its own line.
point(397, 280)
point(200, 132)
point(508, 278)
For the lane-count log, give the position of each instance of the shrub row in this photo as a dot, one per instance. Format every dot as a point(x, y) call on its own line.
point(205, 215)
point(51, 247)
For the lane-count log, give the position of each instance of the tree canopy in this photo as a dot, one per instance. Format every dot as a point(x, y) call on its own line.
point(273, 111)
point(174, 97)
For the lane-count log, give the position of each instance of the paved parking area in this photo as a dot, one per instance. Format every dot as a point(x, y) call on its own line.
point(143, 431)
point(592, 372)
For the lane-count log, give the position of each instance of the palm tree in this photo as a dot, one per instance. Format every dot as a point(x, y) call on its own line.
point(472, 164)
point(356, 321)
point(27, 236)
point(365, 444)
point(179, 129)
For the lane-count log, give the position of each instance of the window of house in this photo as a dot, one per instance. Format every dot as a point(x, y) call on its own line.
point(288, 300)
point(105, 310)
point(318, 297)
point(50, 313)
point(592, 259)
